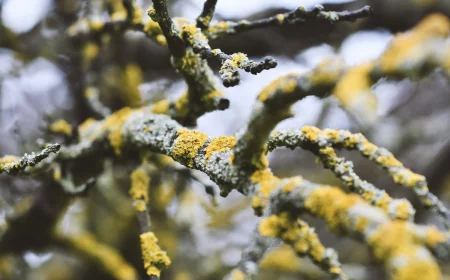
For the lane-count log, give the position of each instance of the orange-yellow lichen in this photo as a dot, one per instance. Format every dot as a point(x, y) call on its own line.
point(237, 274)
point(409, 46)
point(131, 79)
point(108, 257)
point(84, 129)
point(394, 240)
point(285, 85)
point(113, 125)
point(139, 185)
point(331, 204)
point(291, 184)
point(161, 107)
point(89, 52)
point(353, 90)
point(187, 145)
point(153, 30)
point(281, 259)
point(57, 174)
point(220, 27)
point(311, 133)
point(220, 144)
point(267, 182)
point(154, 258)
point(182, 105)
point(61, 127)
point(326, 73)
point(140, 205)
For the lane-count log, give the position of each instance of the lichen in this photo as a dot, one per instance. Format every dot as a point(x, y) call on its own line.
point(187, 145)
point(220, 144)
point(161, 107)
point(285, 85)
point(139, 185)
point(61, 127)
point(131, 79)
point(281, 259)
point(267, 183)
point(113, 124)
point(154, 258)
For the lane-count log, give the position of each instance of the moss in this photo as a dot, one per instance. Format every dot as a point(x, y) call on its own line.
point(187, 145)
point(61, 127)
point(161, 107)
point(139, 185)
point(220, 144)
point(154, 258)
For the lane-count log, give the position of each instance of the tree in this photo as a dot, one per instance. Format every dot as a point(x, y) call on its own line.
point(124, 151)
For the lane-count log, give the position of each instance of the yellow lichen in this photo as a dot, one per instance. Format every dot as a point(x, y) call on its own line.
point(237, 274)
point(113, 125)
point(139, 185)
point(291, 184)
point(409, 46)
point(267, 182)
point(161, 107)
point(281, 259)
point(331, 204)
point(187, 145)
point(270, 226)
point(326, 73)
point(394, 240)
point(61, 127)
point(220, 144)
point(353, 90)
point(84, 129)
point(220, 27)
point(182, 105)
point(154, 258)
point(90, 51)
point(131, 79)
point(108, 257)
point(285, 84)
point(140, 205)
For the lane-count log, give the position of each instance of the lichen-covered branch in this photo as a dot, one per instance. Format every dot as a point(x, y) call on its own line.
point(404, 248)
point(153, 257)
point(14, 164)
point(313, 139)
point(323, 140)
point(205, 17)
point(298, 15)
point(303, 240)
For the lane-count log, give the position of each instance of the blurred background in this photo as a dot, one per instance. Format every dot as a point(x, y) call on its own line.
point(41, 82)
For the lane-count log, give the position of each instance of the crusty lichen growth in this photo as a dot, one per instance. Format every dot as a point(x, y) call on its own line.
point(131, 79)
point(394, 242)
point(161, 107)
point(107, 257)
point(61, 127)
point(139, 185)
point(267, 183)
point(283, 85)
point(303, 240)
point(154, 258)
point(281, 259)
point(410, 49)
point(354, 92)
point(13, 164)
point(113, 124)
point(187, 145)
point(322, 141)
point(220, 144)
